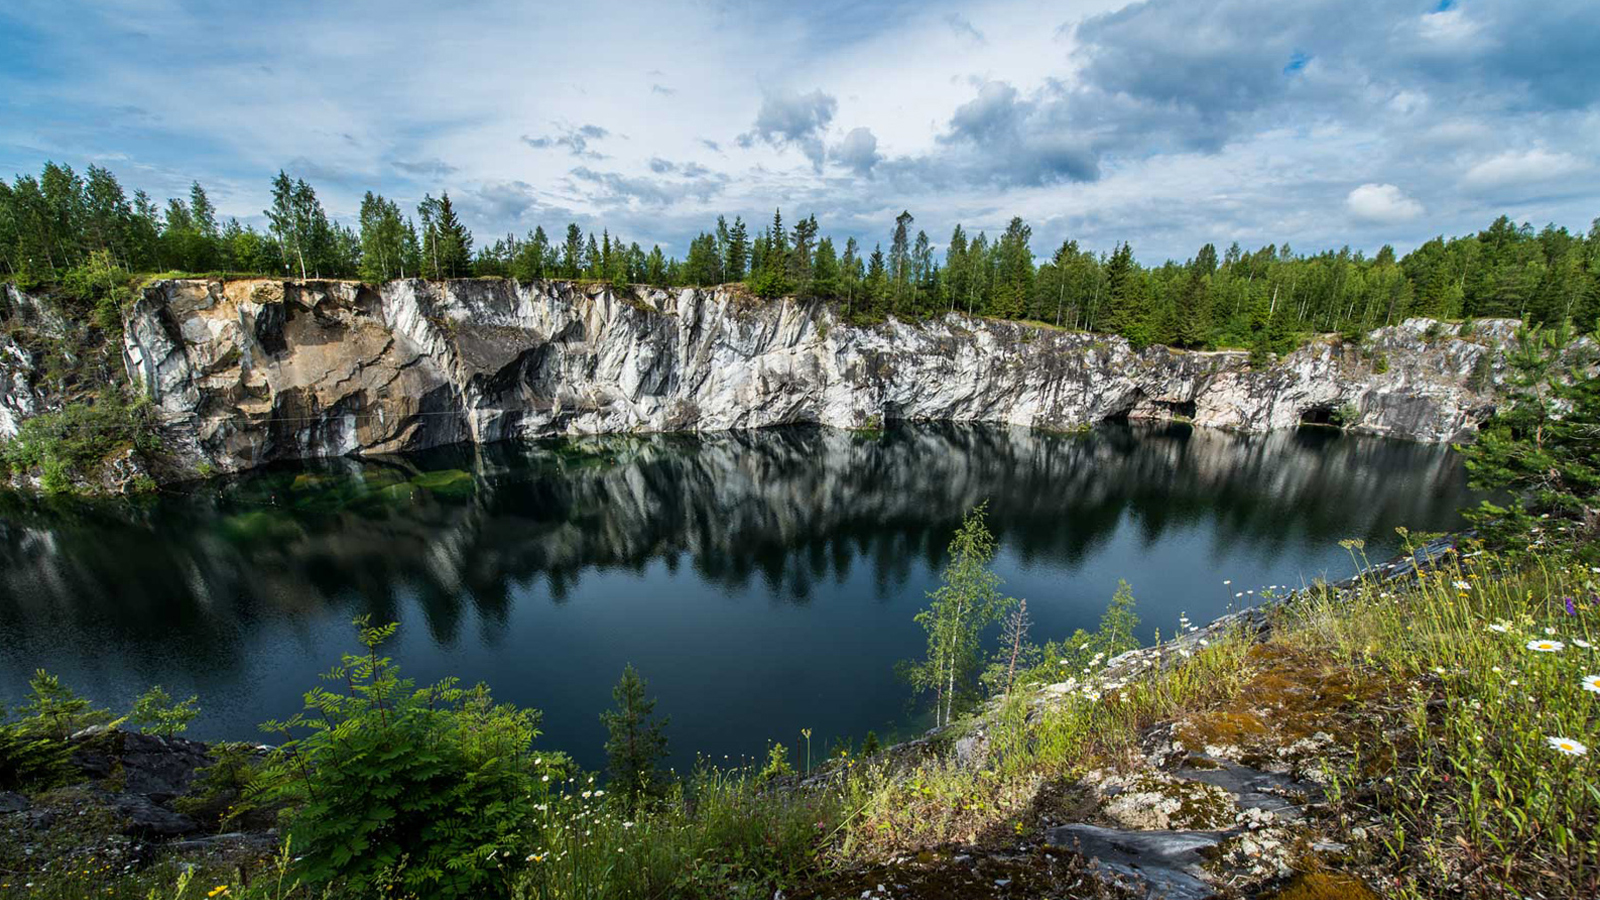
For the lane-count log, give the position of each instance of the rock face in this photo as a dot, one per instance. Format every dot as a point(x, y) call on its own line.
point(246, 372)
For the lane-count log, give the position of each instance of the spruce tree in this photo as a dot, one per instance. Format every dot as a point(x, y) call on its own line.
point(637, 741)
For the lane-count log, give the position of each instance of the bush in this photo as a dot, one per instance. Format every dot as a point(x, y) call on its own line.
point(156, 712)
point(395, 787)
point(34, 753)
point(71, 444)
point(777, 764)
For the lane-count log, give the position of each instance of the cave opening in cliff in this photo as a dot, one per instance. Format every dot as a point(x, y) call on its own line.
point(1317, 415)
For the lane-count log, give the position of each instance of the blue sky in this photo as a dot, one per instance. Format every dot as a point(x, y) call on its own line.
point(1167, 123)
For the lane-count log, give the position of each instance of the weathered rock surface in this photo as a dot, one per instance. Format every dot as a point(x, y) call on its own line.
point(246, 372)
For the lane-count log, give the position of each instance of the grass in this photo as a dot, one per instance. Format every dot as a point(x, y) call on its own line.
point(1461, 774)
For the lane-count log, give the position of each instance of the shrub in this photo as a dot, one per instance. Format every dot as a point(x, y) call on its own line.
point(777, 764)
point(157, 713)
point(70, 445)
point(398, 787)
point(1380, 363)
point(34, 753)
point(220, 792)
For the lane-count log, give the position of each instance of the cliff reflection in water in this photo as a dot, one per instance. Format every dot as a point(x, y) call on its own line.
point(174, 590)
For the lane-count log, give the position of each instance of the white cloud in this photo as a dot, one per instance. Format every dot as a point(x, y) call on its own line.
point(1522, 167)
point(1382, 204)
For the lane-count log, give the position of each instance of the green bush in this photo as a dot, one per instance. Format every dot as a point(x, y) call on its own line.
point(34, 753)
point(395, 787)
point(70, 444)
point(777, 764)
point(156, 712)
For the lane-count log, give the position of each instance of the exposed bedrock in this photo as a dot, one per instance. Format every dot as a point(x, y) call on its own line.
point(246, 372)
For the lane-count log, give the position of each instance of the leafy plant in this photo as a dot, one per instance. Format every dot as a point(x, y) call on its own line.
point(156, 712)
point(400, 787)
point(966, 603)
point(777, 765)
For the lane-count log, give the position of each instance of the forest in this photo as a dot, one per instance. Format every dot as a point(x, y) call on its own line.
point(85, 235)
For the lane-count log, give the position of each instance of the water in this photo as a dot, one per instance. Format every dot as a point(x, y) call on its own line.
point(763, 582)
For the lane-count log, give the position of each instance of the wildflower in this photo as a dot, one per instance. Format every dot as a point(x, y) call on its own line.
point(1591, 683)
point(1580, 642)
point(1463, 585)
point(1500, 627)
point(537, 857)
point(1227, 581)
point(221, 888)
point(1566, 746)
point(1239, 594)
point(1572, 608)
point(627, 824)
point(545, 778)
point(1545, 646)
point(1550, 632)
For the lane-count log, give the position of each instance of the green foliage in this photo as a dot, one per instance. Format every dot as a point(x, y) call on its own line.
point(1380, 363)
point(34, 753)
point(777, 764)
point(967, 602)
point(51, 708)
point(70, 445)
point(419, 789)
point(1084, 652)
point(636, 741)
point(1542, 449)
point(156, 712)
point(220, 794)
point(870, 746)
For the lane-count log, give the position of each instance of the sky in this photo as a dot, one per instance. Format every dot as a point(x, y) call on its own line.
point(1166, 123)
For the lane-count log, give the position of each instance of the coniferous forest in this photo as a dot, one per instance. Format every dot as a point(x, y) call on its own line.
point(85, 233)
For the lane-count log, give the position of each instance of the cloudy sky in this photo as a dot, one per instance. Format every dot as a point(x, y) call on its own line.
point(1167, 123)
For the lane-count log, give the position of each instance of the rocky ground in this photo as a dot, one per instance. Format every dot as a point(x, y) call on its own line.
point(1225, 801)
point(123, 810)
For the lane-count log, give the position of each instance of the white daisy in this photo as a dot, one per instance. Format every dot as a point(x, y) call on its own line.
point(1591, 683)
point(1546, 646)
point(1566, 746)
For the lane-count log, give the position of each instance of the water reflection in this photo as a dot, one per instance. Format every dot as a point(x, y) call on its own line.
point(190, 586)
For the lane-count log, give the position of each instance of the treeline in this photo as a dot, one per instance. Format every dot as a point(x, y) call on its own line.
point(65, 227)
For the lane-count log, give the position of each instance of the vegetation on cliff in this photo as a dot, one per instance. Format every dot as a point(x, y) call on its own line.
point(85, 233)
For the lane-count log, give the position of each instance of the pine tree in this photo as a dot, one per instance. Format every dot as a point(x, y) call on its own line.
point(636, 741)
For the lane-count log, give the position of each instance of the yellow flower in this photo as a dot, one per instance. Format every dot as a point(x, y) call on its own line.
point(219, 889)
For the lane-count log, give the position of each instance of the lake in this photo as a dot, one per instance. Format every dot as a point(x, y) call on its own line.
point(763, 582)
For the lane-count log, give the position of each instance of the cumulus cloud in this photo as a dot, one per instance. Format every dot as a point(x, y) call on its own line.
point(998, 136)
point(1381, 204)
point(858, 151)
point(789, 118)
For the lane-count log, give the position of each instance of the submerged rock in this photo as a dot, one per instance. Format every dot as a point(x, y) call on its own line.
point(246, 372)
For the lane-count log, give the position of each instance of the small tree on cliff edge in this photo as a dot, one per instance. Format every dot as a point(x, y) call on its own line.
point(637, 741)
point(967, 603)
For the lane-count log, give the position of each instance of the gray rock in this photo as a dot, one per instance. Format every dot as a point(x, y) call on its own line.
point(13, 803)
point(1161, 864)
point(146, 818)
point(246, 372)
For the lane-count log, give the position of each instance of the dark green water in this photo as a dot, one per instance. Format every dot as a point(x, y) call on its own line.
point(763, 582)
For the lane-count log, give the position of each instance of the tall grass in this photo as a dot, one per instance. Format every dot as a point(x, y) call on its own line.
point(1483, 775)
